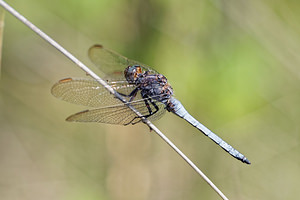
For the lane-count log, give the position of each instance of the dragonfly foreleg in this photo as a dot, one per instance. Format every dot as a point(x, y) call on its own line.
point(132, 94)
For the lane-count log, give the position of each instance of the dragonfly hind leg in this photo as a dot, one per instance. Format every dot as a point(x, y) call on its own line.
point(146, 100)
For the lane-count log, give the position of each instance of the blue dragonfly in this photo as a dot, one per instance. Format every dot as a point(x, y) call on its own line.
point(143, 88)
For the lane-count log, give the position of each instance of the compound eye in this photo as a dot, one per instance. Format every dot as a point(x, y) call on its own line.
point(132, 72)
point(138, 69)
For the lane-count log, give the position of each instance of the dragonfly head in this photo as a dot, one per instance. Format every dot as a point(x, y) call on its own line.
point(132, 73)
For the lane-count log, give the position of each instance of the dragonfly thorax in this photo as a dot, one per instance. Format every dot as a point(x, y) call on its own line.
point(153, 86)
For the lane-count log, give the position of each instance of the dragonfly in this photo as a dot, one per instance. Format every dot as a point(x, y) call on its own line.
point(143, 88)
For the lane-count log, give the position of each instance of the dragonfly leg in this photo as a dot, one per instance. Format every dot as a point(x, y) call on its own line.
point(133, 123)
point(146, 100)
point(132, 94)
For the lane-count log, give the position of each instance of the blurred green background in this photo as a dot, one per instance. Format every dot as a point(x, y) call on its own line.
point(233, 64)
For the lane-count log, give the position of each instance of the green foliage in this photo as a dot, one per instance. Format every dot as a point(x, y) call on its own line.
point(233, 64)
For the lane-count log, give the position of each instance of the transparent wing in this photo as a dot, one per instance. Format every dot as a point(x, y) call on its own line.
point(113, 63)
point(119, 114)
point(88, 92)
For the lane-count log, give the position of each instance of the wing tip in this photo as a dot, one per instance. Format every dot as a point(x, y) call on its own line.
point(98, 46)
point(65, 80)
point(72, 118)
point(54, 87)
point(95, 47)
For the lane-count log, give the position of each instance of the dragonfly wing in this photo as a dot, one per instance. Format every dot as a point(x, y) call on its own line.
point(89, 92)
point(111, 62)
point(119, 114)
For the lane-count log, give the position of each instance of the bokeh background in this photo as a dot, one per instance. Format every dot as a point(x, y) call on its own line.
point(233, 64)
